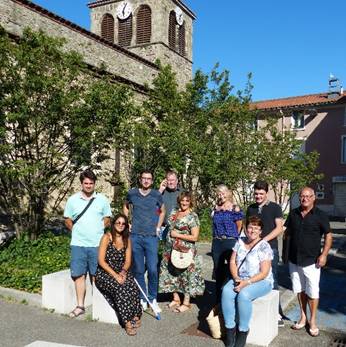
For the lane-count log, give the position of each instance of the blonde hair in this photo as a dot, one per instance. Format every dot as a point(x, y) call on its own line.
point(222, 188)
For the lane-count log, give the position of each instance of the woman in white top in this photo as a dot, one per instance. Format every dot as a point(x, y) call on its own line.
point(252, 278)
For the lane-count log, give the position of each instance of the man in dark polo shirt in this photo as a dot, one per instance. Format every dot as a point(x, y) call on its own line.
point(148, 212)
point(272, 219)
point(170, 191)
point(305, 226)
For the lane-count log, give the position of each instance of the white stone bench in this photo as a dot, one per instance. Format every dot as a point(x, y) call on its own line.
point(102, 311)
point(264, 320)
point(58, 292)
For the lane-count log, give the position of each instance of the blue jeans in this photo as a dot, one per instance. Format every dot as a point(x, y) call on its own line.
point(243, 300)
point(221, 251)
point(145, 257)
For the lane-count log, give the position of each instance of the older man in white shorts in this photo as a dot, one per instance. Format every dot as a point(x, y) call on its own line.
point(305, 226)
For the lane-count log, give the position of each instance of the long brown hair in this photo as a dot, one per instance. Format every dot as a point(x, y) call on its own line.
point(125, 234)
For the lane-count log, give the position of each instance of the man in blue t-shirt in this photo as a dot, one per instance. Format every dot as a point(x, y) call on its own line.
point(147, 211)
point(87, 229)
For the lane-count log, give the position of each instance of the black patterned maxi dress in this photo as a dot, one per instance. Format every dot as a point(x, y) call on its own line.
point(123, 298)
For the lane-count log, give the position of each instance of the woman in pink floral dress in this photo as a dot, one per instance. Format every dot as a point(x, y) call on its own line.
point(183, 231)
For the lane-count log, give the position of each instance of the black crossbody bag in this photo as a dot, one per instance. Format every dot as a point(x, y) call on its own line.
point(81, 214)
point(248, 253)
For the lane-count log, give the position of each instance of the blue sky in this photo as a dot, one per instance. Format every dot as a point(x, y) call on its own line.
point(290, 47)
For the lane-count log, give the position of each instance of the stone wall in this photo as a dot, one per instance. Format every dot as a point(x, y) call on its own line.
point(158, 47)
point(17, 15)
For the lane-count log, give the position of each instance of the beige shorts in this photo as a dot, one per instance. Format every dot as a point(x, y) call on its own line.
point(305, 279)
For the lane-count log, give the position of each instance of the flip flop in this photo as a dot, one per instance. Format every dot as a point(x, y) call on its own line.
point(314, 332)
point(136, 323)
point(75, 313)
point(182, 308)
point(130, 330)
point(174, 304)
point(297, 326)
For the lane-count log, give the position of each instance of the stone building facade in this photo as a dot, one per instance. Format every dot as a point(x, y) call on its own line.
point(133, 64)
point(152, 29)
point(129, 51)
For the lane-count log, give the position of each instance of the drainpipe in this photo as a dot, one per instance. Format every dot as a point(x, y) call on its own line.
point(282, 120)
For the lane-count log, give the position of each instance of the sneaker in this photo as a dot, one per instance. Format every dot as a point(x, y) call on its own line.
point(281, 323)
point(144, 305)
point(156, 306)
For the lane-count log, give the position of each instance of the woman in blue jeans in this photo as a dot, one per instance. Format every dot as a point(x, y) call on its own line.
point(227, 224)
point(250, 267)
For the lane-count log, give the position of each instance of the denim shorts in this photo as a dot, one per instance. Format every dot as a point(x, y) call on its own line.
point(83, 260)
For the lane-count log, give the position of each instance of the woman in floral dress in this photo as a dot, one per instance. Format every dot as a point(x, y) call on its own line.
point(113, 278)
point(184, 231)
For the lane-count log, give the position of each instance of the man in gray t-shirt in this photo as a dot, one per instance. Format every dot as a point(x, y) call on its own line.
point(170, 192)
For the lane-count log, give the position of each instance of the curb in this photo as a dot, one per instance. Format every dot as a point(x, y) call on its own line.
point(21, 296)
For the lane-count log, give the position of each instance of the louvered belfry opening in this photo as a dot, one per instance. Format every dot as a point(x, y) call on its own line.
point(172, 30)
point(125, 31)
point(181, 39)
point(143, 34)
point(107, 27)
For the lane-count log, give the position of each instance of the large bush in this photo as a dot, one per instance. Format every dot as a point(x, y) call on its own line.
point(24, 261)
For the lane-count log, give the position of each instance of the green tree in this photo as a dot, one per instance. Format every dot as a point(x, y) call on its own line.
point(55, 118)
point(209, 135)
point(281, 161)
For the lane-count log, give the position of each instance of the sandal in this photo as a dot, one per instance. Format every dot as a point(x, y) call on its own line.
point(182, 308)
point(77, 311)
point(174, 304)
point(314, 332)
point(136, 322)
point(298, 326)
point(130, 330)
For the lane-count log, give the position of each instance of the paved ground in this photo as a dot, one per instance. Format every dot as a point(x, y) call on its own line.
point(23, 323)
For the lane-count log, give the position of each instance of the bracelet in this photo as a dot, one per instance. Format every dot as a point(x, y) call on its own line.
point(249, 281)
point(123, 270)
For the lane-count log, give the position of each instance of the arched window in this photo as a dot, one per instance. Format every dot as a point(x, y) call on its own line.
point(172, 31)
point(143, 24)
point(181, 39)
point(107, 27)
point(125, 31)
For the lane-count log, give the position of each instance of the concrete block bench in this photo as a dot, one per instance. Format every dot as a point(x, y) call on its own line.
point(102, 311)
point(264, 320)
point(58, 292)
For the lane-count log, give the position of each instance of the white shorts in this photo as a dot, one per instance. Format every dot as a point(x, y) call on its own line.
point(305, 279)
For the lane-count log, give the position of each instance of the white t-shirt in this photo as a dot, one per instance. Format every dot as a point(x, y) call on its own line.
point(251, 266)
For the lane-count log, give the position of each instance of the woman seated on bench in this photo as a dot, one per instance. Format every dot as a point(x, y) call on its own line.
point(250, 267)
point(113, 278)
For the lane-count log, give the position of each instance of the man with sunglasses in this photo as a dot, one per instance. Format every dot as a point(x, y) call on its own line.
point(147, 212)
point(305, 226)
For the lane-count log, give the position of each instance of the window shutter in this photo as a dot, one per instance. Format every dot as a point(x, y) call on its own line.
point(181, 39)
point(143, 24)
point(172, 30)
point(107, 27)
point(125, 31)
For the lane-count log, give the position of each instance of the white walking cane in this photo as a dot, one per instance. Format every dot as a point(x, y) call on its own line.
point(157, 314)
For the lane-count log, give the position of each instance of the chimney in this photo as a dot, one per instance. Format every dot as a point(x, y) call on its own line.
point(335, 88)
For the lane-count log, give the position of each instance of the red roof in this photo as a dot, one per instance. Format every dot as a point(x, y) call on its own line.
point(296, 101)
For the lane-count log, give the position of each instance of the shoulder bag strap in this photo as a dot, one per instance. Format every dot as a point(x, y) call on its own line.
point(81, 214)
point(242, 262)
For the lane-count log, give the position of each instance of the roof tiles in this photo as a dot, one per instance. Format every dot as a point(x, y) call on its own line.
point(296, 101)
